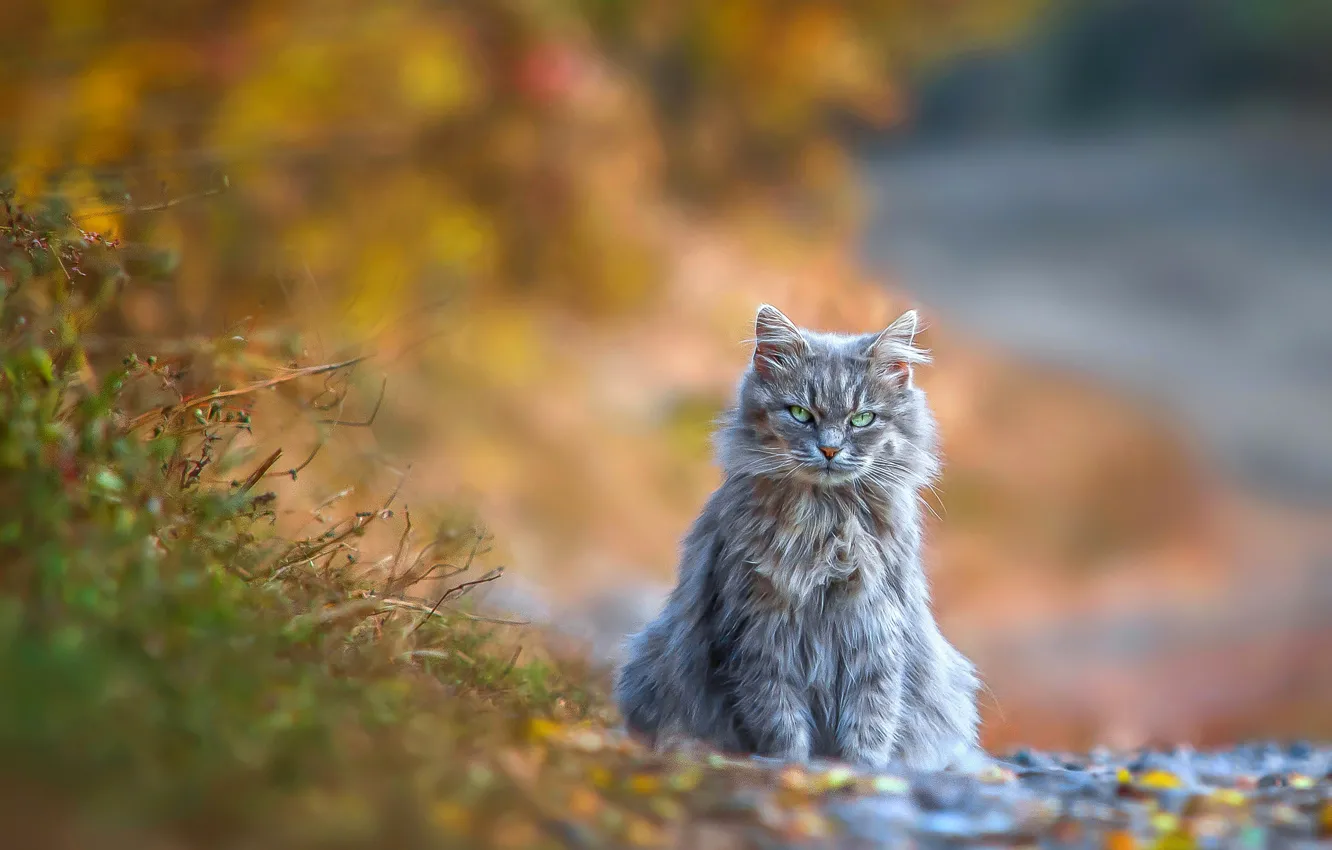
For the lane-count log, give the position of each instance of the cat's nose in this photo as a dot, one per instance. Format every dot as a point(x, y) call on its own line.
point(830, 451)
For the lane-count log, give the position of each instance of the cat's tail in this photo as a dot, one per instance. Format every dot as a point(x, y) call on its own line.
point(638, 685)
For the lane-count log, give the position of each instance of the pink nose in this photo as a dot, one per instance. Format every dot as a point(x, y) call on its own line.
point(829, 451)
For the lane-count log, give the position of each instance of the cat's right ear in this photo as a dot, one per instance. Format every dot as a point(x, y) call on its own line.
point(893, 352)
point(778, 343)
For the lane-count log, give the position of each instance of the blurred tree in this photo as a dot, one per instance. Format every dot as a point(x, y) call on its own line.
point(390, 149)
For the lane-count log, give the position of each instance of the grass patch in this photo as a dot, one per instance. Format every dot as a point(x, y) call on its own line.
point(168, 662)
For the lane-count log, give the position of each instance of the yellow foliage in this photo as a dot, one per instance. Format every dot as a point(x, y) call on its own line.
point(507, 114)
point(435, 76)
point(384, 270)
point(460, 238)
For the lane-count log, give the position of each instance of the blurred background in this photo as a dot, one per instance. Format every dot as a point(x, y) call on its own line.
point(551, 221)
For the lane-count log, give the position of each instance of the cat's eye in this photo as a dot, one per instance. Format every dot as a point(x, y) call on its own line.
point(799, 414)
point(863, 418)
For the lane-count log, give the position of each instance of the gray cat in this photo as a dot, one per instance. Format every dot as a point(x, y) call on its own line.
point(801, 625)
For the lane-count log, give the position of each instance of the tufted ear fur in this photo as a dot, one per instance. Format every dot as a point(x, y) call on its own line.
point(893, 353)
point(778, 342)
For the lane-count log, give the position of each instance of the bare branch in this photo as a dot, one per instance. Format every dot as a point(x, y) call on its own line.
point(428, 611)
point(459, 590)
point(290, 375)
point(259, 472)
point(383, 388)
point(158, 207)
point(402, 547)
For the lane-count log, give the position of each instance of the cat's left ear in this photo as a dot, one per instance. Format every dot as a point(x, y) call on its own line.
point(778, 343)
point(893, 351)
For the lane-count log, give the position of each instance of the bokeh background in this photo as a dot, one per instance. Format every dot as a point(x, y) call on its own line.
point(551, 222)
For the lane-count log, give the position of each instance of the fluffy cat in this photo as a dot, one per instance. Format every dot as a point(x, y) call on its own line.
point(800, 625)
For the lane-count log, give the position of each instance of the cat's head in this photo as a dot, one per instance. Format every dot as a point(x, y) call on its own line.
point(832, 409)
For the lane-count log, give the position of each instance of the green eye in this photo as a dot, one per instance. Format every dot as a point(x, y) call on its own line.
point(799, 414)
point(863, 418)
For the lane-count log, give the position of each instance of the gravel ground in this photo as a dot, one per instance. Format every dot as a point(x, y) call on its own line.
point(1252, 796)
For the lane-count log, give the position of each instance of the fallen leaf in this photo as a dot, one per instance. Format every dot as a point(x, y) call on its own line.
point(1158, 780)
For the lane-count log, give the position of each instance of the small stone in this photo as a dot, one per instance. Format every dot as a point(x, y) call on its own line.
point(952, 824)
point(1300, 750)
point(1286, 815)
point(1023, 758)
point(942, 791)
point(872, 818)
point(995, 823)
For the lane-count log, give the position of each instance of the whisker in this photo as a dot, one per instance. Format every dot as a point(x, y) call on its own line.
point(937, 495)
point(929, 508)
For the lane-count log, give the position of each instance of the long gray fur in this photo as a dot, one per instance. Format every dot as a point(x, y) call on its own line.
point(800, 625)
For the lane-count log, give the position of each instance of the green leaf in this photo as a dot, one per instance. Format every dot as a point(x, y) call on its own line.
point(105, 479)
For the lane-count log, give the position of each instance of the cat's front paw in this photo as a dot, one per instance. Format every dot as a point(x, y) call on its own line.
point(940, 753)
point(789, 745)
point(876, 762)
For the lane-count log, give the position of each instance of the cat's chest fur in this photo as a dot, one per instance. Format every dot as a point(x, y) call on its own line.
point(815, 549)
